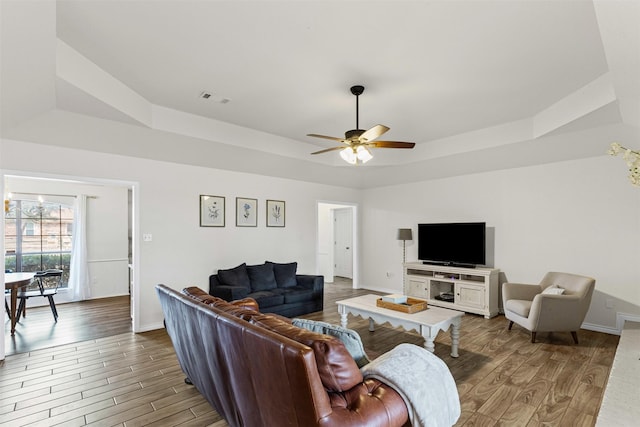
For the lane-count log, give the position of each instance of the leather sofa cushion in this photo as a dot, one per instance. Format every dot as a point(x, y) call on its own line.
point(241, 312)
point(236, 276)
point(244, 308)
point(285, 274)
point(199, 295)
point(338, 371)
point(261, 277)
point(267, 299)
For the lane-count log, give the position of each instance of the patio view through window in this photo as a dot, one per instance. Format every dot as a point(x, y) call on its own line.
point(38, 237)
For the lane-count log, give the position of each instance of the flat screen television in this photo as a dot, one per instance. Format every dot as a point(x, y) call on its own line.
point(460, 243)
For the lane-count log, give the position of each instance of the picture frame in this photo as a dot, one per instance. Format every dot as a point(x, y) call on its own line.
point(276, 213)
point(246, 212)
point(212, 211)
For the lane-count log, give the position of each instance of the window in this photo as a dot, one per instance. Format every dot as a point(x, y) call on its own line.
point(38, 236)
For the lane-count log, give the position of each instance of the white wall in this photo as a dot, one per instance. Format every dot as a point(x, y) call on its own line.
point(107, 232)
point(182, 253)
point(578, 216)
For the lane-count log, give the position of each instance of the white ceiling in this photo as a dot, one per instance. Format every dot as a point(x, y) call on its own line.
point(476, 79)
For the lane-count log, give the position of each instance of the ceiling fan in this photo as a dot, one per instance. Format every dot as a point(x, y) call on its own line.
point(358, 141)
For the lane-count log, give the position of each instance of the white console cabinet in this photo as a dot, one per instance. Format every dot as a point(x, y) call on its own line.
point(474, 290)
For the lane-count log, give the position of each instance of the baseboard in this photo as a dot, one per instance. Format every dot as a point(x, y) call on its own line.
point(151, 327)
point(623, 317)
point(600, 328)
point(620, 319)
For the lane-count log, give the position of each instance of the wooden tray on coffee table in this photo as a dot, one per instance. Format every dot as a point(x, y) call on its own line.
point(413, 305)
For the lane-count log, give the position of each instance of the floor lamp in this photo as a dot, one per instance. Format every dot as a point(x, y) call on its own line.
point(404, 234)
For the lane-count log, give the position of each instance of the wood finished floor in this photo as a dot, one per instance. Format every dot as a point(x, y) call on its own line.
point(134, 379)
point(78, 321)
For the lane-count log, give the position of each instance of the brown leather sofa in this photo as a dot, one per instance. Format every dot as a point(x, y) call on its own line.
point(259, 370)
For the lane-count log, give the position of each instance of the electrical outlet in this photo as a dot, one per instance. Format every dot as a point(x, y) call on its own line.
point(147, 237)
point(608, 303)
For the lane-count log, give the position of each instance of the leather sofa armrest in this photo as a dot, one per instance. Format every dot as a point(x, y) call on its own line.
point(229, 293)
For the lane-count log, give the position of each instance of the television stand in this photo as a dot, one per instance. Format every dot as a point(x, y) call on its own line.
point(449, 264)
point(474, 290)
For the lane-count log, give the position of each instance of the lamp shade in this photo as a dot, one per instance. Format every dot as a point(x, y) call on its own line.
point(404, 234)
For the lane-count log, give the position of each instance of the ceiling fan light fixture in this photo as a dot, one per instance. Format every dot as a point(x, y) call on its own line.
point(349, 155)
point(355, 155)
point(358, 140)
point(363, 153)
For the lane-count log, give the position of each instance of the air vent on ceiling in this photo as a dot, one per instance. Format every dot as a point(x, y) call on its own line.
point(209, 96)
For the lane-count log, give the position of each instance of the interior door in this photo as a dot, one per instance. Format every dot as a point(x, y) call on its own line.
point(343, 242)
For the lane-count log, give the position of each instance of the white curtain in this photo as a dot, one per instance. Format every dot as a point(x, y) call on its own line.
point(79, 269)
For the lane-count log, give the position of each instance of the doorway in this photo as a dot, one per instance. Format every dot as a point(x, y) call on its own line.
point(337, 241)
point(343, 243)
point(110, 256)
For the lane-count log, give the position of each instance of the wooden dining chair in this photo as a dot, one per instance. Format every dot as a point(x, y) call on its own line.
point(45, 284)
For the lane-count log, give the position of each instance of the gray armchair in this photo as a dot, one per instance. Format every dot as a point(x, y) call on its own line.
point(558, 304)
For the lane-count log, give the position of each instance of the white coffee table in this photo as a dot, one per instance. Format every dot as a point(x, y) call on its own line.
point(427, 323)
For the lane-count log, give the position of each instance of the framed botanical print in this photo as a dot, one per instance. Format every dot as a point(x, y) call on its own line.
point(275, 213)
point(246, 212)
point(212, 211)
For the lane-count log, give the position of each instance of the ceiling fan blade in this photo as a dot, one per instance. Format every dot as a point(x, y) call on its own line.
point(329, 149)
point(373, 133)
point(333, 138)
point(391, 144)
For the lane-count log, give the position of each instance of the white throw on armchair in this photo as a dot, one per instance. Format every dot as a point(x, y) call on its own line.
point(558, 304)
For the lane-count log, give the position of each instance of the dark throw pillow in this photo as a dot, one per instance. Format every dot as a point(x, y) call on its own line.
point(261, 277)
point(285, 274)
point(235, 276)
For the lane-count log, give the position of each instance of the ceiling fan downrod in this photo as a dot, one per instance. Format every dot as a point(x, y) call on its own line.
point(357, 91)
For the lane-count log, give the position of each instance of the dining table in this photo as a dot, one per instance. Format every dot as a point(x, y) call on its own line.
point(13, 282)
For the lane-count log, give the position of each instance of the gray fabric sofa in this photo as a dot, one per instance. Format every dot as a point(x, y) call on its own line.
point(277, 288)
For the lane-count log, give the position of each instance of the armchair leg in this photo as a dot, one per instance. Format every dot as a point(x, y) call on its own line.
point(510, 324)
point(574, 334)
point(533, 337)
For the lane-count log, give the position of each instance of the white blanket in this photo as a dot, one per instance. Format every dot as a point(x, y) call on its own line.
point(424, 382)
